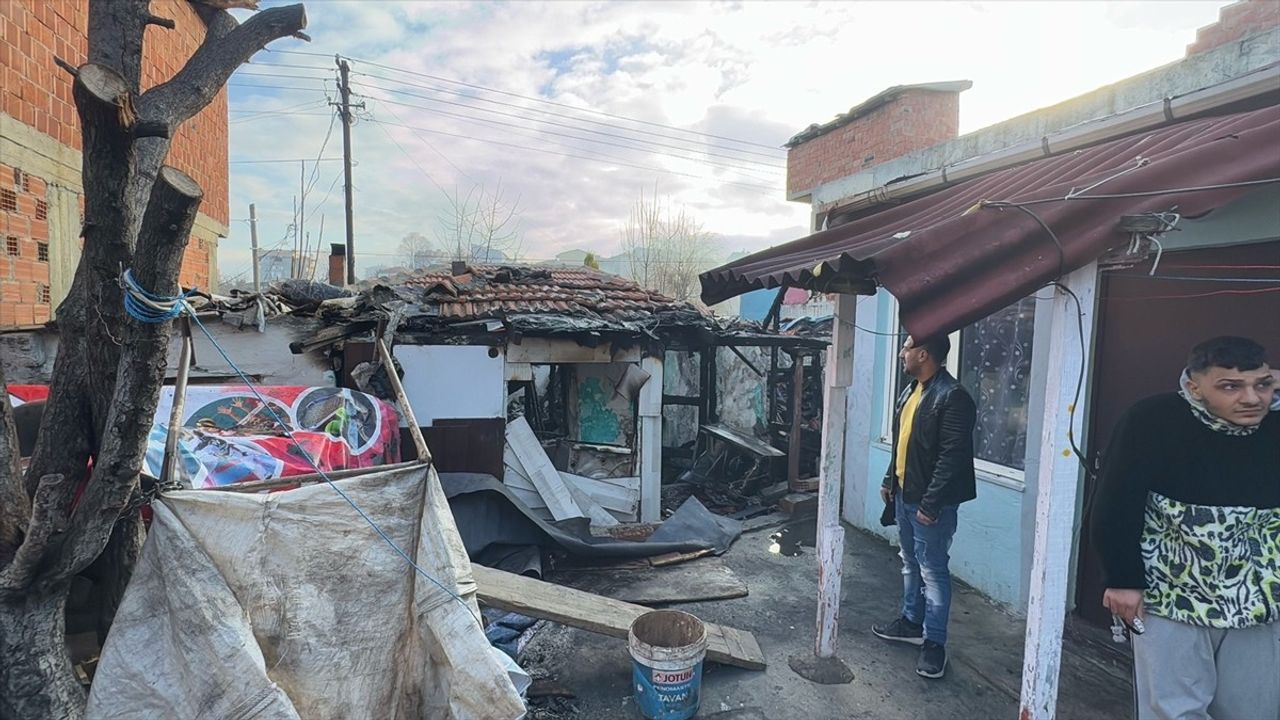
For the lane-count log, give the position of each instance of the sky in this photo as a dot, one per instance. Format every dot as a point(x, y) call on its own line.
point(575, 109)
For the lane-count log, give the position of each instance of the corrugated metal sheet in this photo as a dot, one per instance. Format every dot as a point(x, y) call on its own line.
point(950, 261)
point(487, 291)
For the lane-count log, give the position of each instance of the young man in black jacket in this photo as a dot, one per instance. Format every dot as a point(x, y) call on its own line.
point(1187, 525)
point(930, 473)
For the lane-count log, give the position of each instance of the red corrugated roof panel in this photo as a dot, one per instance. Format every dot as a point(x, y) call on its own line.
point(950, 260)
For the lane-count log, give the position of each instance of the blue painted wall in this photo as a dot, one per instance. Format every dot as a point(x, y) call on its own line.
point(987, 552)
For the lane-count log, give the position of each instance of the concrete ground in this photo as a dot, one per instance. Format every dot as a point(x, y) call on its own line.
point(983, 676)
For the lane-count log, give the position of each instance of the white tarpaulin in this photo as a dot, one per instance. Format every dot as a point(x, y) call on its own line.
point(289, 605)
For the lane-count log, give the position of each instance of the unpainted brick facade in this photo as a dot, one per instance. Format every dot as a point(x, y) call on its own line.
point(39, 116)
point(913, 120)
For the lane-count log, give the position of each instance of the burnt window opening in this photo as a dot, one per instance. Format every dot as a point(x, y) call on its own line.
point(42, 251)
point(42, 210)
point(8, 200)
point(11, 247)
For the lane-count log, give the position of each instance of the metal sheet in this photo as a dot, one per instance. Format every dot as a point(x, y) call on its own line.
point(951, 262)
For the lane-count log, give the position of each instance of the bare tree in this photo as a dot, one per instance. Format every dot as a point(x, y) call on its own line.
point(481, 226)
point(667, 247)
point(417, 251)
point(109, 370)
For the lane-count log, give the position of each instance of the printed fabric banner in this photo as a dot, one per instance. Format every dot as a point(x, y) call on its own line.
point(229, 436)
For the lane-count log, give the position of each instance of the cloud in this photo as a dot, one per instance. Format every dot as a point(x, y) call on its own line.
point(754, 72)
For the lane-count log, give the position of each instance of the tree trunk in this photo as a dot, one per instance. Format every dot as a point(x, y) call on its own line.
point(36, 677)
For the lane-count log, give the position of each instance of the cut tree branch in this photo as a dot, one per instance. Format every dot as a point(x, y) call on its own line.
point(161, 22)
point(116, 29)
point(166, 228)
point(48, 519)
point(211, 65)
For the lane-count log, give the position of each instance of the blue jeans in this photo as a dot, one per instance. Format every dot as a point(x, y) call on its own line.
point(926, 579)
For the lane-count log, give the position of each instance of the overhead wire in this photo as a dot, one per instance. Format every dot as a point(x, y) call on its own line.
point(763, 189)
point(759, 167)
point(775, 160)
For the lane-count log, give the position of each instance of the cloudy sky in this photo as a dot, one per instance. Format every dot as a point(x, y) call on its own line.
point(576, 108)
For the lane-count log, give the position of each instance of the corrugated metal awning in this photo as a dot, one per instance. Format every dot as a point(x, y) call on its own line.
point(963, 252)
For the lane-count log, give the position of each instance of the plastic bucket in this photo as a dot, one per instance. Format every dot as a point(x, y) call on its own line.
point(667, 648)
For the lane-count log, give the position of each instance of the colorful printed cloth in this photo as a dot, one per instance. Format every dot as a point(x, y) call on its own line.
point(228, 435)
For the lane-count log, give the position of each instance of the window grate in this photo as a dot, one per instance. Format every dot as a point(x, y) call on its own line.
point(11, 247)
point(8, 200)
point(42, 293)
point(42, 210)
point(42, 251)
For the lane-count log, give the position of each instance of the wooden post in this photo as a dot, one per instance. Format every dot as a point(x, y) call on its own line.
point(424, 454)
point(170, 462)
point(830, 541)
point(649, 408)
point(857, 452)
point(797, 415)
point(1057, 503)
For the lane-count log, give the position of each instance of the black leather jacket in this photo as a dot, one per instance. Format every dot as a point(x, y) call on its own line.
point(940, 457)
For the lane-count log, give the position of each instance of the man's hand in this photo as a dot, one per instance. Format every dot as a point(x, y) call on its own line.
point(1124, 602)
point(924, 519)
point(885, 495)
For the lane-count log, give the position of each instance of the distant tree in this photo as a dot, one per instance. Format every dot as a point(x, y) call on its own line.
point(481, 226)
point(591, 261)
point(417, 251)
point(667, 247)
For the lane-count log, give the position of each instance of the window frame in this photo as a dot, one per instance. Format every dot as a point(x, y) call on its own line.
point(988, 471)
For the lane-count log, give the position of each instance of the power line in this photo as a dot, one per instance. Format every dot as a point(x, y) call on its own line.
point(563, 105)
point(283, 160)
point(527, 109)
point(621, 163)
point(538, 132)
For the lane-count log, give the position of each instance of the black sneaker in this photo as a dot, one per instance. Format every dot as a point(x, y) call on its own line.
point(933, 660)
point(901, 630)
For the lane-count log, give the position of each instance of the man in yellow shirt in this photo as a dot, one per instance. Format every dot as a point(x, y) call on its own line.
point(929, 475)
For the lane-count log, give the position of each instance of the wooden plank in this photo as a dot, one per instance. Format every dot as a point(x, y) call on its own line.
point(541, 472)
point(1058, 485)
point(406, 409)
point(516, 371)
point(545, 350)
point(575, 608)
point(675, 558)
point(649, 404)
point(650, 469)
point(609, 496)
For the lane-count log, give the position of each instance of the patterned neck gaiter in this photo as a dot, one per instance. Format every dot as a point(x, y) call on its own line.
point(1213, 421)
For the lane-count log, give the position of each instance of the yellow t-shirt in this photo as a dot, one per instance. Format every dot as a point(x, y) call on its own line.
point(905, 421)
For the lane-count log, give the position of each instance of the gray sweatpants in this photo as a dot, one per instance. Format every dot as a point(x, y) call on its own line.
point(1187, 672)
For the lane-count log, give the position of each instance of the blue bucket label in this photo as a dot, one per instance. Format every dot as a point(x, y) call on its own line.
point(667, 694)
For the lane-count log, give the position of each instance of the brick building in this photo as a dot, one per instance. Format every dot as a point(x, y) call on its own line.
point(41, 198)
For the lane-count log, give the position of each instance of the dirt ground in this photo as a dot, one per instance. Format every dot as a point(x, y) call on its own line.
point(983, 675)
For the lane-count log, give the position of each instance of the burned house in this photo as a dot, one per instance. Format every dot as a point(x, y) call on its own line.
point(592, 362)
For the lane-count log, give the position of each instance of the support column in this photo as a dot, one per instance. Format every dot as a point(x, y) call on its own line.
point(824, 666)
point(1058, 490)
point(649, 408)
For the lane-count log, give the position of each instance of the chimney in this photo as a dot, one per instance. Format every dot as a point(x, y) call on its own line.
point(459, 267)
point(897, 121)
point(1236, 21)
point(337, 264)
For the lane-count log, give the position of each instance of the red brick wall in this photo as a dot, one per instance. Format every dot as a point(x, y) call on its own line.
point(1237, 21)
point(914, 120)
point(24, 249)
point(37, 93)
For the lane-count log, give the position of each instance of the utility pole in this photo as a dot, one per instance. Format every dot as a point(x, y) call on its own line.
point(302, 218)
point(344, 88)
point(253, 241)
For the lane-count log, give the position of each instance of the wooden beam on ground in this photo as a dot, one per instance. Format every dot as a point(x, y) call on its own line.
point(1058, 487)
point(830, 541)
point(538, 468)
point(575, 608)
